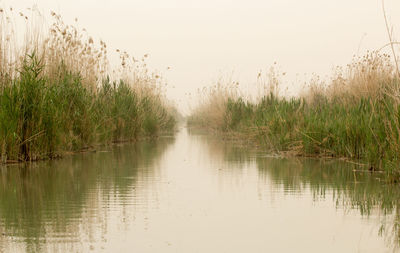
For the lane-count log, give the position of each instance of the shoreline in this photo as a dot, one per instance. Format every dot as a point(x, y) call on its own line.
point(241, 139)
point(85, 150)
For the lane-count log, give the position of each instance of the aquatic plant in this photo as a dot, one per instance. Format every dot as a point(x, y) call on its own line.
point(56, 94)
point(356, 115)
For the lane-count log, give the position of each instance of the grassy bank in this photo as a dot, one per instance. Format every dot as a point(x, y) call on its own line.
point(356, 115)
point(56, 95)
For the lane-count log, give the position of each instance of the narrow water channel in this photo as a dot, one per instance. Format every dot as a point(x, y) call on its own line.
point(194, 193)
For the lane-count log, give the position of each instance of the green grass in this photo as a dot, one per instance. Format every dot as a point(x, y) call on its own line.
point(366, 129)
point(42, 117)
point(355, 115)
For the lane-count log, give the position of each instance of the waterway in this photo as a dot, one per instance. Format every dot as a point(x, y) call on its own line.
point(194, 192)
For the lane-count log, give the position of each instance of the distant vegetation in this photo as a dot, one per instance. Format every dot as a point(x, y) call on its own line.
point(56, 93)
point(355, 116)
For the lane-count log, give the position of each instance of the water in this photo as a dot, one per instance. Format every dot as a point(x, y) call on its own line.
point(194, 193)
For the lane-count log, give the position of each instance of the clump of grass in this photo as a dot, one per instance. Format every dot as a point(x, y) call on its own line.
point(211, 110)
point(355, 115)
point(56, 96)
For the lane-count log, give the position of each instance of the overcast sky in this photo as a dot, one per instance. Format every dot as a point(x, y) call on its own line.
point(202, 40)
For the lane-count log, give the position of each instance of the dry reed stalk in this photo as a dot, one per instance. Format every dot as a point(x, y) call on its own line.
point(391, 41)
point(212, 106)
point(8, 46)
point(363, 77)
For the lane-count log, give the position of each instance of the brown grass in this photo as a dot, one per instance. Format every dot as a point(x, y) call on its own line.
point(210, 111)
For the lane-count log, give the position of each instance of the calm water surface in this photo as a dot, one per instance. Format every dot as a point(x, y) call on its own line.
point(194, 193)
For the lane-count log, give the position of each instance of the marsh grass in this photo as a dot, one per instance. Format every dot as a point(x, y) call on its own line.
point(56, 95)
point(356, 115)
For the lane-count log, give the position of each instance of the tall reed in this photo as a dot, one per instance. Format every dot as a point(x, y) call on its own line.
point(56, 95)
point(355, 115)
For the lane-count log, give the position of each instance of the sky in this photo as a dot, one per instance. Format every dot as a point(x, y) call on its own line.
point(202, 41)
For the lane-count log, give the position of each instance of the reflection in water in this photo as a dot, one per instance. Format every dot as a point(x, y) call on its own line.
point(51, 205)
point(193, 193)
point(345, 183)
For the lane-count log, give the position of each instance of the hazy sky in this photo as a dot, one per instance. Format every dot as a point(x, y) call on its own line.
point(202, 40)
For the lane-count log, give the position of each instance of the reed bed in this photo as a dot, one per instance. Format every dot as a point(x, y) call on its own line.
point(355, 115)
point(56, 93)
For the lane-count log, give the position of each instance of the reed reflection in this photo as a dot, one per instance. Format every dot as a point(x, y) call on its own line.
point(349, 187)
point(69, 200)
